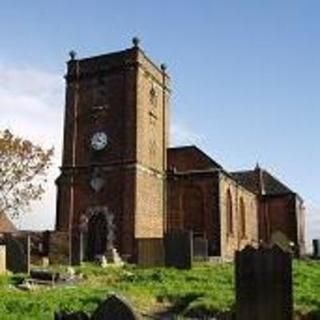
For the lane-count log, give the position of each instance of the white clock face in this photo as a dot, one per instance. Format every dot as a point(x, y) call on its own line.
point(99, 141)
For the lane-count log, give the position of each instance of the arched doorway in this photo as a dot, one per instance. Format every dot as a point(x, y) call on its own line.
point(97, 235)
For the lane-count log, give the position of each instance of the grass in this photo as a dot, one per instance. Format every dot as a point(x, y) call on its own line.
point(204, 289)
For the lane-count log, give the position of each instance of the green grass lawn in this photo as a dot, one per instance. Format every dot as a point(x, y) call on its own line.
point(205, 288)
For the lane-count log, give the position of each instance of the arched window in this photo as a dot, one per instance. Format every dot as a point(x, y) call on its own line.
point(242, 218)
point(229, 212)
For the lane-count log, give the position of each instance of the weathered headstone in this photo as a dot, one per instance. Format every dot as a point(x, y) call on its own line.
point(18, 253)
point(316, 248)
point(200, 249)
point(178, 249)
point(115, 308)
point(2, 259)
point(264, 284)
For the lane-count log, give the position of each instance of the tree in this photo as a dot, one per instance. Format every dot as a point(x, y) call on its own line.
point(23, 170)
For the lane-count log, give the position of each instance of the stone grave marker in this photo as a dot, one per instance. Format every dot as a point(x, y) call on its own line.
point(18, 253)
point(200, 249)
point(316, 248)
point(264, 284)
point(178, 249)
point(115, 308)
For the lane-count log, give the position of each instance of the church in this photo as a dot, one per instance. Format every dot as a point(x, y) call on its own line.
point(121, 182)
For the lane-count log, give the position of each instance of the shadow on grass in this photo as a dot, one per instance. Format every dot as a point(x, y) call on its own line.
point(191, 305)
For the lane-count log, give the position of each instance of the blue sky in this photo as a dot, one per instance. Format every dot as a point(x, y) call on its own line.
point(245, 73)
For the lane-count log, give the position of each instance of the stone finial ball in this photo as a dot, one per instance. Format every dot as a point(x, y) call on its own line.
point(135, 41)
point(72, 54)
point(163, 67)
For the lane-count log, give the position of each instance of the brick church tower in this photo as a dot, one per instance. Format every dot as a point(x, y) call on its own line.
point(115, 142)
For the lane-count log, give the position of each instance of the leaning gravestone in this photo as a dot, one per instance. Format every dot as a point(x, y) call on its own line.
point(18, 253)
point(178, 249)
point(115, 308)
point(264, 284)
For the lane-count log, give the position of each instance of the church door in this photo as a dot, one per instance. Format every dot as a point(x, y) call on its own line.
point(97, 236)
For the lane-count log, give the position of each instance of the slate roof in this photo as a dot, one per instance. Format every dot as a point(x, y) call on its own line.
point(261, 181)
point(206, 161)
point(6, 224)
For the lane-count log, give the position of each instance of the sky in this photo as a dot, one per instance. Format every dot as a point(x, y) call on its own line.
point(245, 78)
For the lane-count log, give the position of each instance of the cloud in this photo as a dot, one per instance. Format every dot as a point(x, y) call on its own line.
point(181, 134)
point(31, 104)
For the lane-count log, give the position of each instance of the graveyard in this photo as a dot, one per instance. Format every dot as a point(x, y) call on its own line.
point(147, 227)
point(205, 290)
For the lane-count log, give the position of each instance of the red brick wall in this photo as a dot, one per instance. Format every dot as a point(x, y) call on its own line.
point(278, 213)
point(133, 173)
point(193, 205)
point(189, 158)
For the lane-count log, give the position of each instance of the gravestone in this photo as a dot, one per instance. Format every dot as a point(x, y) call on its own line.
point(178, 249)
point(263, 284)
point(316, 248)
point(18, 253)
point(115, 308)
point(200, 249)
point(2, 259)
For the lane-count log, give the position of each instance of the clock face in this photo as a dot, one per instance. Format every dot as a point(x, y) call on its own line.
point(99, 141)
